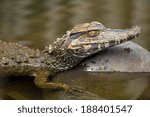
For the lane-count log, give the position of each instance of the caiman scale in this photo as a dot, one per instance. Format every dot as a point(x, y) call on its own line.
point(67, 52)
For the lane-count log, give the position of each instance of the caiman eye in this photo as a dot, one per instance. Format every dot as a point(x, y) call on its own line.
point(75, 35)
point(93, 33)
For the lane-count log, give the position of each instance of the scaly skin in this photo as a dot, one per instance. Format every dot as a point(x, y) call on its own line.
point(67, 52)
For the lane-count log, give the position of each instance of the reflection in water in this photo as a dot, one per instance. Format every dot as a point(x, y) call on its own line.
point(136, 87)
point(3, 82)
point(108, 85)
point(20, 87)
point(90, 86)
point(37, 23)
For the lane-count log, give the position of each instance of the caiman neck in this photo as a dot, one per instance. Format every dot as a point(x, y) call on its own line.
point(61, 60)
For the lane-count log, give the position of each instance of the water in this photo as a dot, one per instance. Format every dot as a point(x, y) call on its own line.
point(37, 23)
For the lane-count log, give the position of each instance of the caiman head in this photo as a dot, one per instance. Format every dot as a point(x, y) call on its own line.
point(85, 40)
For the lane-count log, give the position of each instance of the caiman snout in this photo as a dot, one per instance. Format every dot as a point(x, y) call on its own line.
point(117, 36)
point(134, 32)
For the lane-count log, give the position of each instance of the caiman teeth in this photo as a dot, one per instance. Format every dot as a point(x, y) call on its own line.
point(132, 36)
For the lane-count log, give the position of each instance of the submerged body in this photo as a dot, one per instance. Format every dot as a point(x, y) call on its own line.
point(67, 52)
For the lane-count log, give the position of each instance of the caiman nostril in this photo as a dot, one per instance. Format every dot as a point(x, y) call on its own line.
point(137, 35)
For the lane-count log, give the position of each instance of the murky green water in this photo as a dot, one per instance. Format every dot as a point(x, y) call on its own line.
point(37, 23)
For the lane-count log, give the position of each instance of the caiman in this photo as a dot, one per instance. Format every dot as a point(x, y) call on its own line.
point(67, 52)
